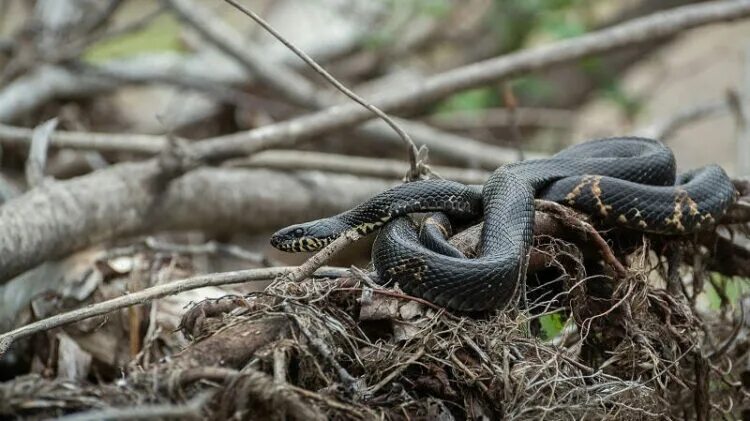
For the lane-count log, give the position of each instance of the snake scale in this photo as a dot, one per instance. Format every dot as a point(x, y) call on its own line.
point(628, 182)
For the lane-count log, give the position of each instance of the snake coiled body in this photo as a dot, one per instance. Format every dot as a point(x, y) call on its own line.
point(628, 182)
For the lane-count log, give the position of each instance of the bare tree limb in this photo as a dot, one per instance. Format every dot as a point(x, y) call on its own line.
point(58, 218)
point(288, 160)
point(103, 142)
point(39, 86)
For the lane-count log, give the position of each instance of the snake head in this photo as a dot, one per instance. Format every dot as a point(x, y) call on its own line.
point(310, 236)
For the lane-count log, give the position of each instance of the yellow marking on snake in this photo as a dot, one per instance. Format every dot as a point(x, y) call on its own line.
point(571, 197)
point(403, 269)
point(676, 218)
point(596, 191)
point(368, 227)
point(693, 207)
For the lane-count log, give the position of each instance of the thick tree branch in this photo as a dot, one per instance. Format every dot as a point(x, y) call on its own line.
point(58, 218)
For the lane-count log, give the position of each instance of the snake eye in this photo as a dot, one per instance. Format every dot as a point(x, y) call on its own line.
point(298, 233)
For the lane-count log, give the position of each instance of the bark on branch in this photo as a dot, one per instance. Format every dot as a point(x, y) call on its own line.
point(58, 218)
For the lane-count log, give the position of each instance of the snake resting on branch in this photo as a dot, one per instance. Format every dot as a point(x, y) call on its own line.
point(627, 182)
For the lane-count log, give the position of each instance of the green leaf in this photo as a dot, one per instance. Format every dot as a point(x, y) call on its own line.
point(552, 325)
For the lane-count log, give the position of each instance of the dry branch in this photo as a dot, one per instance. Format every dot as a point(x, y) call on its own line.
point(58, 218)
point(284, 160)
point(105, 142)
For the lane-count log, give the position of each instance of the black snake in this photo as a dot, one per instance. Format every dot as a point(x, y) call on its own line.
point(627, 181)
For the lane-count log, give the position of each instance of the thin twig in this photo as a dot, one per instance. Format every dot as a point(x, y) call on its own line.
point(320, 258)
point(413, 151)
point(292, 160)
point(105, 142)
point(146, 295)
